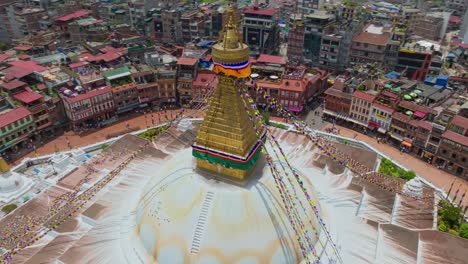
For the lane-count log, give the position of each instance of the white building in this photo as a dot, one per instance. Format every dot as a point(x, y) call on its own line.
point(381, 116)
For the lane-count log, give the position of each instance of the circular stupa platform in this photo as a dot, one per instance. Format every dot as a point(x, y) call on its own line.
point(186, 216)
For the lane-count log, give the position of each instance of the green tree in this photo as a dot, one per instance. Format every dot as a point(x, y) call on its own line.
point(451, 215)
point(442, 227)
point(463, 231)
point(9, 207)
point(3, 46)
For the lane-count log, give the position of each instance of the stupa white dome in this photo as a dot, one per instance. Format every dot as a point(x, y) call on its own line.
point(10, 182)
point(184, 217)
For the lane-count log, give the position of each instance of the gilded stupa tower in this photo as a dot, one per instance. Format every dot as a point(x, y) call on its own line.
point(227, 143)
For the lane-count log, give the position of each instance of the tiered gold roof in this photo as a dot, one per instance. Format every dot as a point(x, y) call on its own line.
point(227, 143)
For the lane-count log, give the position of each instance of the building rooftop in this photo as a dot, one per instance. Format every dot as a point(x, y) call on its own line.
point(421, 46)
point(383, 107)
point(74, 15)
point(337, 93)
point(117, 73)
point(364, 96)
point(204, 79)
point(4, 57)
point(88, 94)
point(455, 137)
point(13, 115)
point(28, 97)
point(186, 61)
point(373, 39)
point(12, 85)
point(259, 11)
point(264, 58)
point(460, 121)
point(424, 124)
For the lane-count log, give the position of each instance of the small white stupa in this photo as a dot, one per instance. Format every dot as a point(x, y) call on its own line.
point(79, 155)
point(414, 188)
point(12, 184)
point(60, 161)
point(184, 125)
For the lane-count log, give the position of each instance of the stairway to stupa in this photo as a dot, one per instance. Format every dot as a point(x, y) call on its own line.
point(201, 223)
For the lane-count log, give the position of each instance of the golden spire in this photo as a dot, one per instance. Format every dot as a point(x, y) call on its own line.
point(4, 167)
point(230, 50)
point(231, 31)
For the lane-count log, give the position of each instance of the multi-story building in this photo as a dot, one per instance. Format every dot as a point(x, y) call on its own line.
point(338, 99)
point(16, 126)
point(330, 53)
point(89, 109)
point(167, 26)
point(457, 6)
point(260, 30)
point(296, 25)
point(138, 10)
point(88, 30)
point(305, 36)
point(192, 23)
point(6, 17)
point(186, 72)
point(287, 8)
point(414, 60)
point(429, 26)
point(423, 132)
point(309, 6)
point(370, 45)
point(317, 24)
point(361, 104)
point(411, 16)
point(63, 22)
point(348, 10)
point(381, 117)
point(36, 104)
point(452, 155)
point(23, 20)
point(124, 89)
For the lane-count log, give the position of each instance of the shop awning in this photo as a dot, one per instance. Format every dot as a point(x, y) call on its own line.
point(295, 108)
point(397, 137)
point(420, 114)
point(406, 144)
point(374, 124)
point(357, 122)
point(381, 130)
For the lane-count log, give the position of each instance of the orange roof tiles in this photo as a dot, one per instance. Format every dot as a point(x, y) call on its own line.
point(452, 136)
point(13, 116)
point(460, 121)
point(76, 14)
point(373, 39)
point(364, 96)
point(88, 95)
point(12, 85)
point(206, 79)
point(186, 61)
point(264, 58)
point(27, 96)
point(384, 108)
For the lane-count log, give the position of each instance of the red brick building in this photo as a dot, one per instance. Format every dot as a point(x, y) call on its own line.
point(89, 109)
